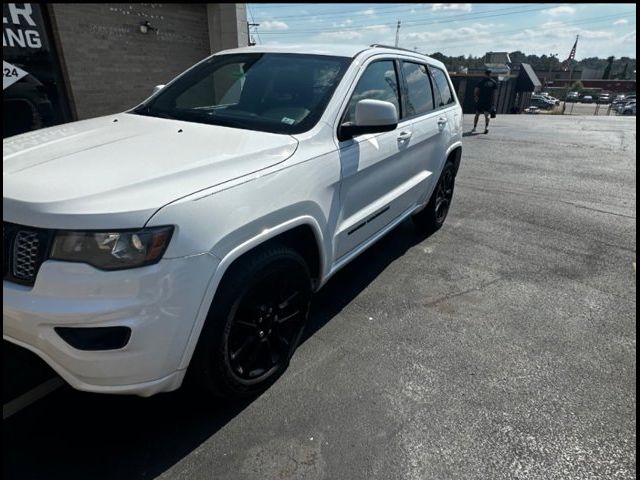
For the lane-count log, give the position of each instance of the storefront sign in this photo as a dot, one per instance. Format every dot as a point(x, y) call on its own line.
point(11, 74)
point(18, 27)
point(33, 94)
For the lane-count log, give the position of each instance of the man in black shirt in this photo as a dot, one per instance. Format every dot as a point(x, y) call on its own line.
point(485, 95)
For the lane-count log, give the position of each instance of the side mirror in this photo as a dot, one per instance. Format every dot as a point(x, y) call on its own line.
point(372, 116)
point(157, 88)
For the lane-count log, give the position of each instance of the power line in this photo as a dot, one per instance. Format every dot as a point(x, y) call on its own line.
point(280, 5)
point(400, 8)
point(367, 27)
point(449, 19)
point(600, 19)
point(253, 22)
point(414, 23)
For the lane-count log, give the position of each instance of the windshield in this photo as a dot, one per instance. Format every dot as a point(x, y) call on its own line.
point(271, 92)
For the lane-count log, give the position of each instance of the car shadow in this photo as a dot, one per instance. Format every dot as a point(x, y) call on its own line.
point(75, 435)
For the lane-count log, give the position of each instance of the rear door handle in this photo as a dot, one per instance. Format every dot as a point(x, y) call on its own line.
point(442, 121)
point(404, 135)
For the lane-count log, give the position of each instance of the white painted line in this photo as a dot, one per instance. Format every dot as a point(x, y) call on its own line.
point(33, 395)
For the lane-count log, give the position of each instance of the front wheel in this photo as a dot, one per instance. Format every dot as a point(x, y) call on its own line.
point(432, 217)
point(254, 325)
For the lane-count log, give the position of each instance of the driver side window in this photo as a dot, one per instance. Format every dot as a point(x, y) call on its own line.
point(378, 82)
point(222, 89)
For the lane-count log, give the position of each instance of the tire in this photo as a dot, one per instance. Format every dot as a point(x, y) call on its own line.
point(254, 324)
point(432, 217)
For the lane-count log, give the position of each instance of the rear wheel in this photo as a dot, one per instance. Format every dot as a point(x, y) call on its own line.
point(254, 325)
point(432, 217)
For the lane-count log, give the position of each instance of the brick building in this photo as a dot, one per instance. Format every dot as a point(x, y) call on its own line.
point(66, 62)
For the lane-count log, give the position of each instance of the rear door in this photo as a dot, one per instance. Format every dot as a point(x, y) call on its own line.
point(428, 126)
point(445, 99)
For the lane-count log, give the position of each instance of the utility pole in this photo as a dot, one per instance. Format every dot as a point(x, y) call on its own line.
point(398, 33)
point(551, 57)
point(249, 25)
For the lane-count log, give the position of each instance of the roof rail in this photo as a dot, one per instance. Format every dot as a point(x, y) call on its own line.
point(379, 45)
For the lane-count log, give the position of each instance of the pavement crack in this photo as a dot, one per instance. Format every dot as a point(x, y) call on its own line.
point(538, 195)
point(463, 292)
point(597, 209)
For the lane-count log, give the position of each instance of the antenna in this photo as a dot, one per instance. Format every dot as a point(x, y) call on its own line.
point(398, 33)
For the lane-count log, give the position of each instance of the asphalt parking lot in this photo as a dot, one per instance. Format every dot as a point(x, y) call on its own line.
point(503, 346)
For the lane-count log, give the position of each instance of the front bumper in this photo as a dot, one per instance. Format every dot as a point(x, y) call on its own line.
point(159, 303)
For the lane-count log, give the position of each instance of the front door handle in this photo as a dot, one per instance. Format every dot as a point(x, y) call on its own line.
point(404, 136)
point(442, 121)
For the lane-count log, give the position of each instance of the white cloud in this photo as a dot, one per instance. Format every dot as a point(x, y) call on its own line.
point(465, 7)
point(483, 26)
point(368, 12)
point(273, 25)
point(563, 10)
point(622, 21)
point(629, 38)
point(343, 35)
point(558, 31)
point(377, 28)
point(346, 23)
point(436, 38)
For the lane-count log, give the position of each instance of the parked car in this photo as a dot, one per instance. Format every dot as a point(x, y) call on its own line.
point(604, 98)
point(550, 98)
point(587, 99)
point(541, 103)
point(572, 97)
point(629, 109)
point(620, 99)
point(532, 110)
point(187, 235)
point(627, 100)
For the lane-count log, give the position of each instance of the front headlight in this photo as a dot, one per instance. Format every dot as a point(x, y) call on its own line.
point(115, 250)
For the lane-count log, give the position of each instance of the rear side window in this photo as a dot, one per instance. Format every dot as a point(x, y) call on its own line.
point(444, 96)
point(378, 82)
point(419, 98)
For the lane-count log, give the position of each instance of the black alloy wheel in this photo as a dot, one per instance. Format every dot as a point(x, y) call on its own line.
point(433, 215)
point(266, 326)
point(254, 325)
point(444, 195)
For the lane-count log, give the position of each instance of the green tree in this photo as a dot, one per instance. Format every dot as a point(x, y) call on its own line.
point(607, 71)
point(577, 86)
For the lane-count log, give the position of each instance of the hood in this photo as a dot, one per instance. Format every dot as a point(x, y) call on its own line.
point(127, 166)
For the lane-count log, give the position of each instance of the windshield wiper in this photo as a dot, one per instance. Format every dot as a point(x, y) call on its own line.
point(213, 118)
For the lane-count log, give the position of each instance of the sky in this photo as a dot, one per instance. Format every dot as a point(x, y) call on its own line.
point(454, 28)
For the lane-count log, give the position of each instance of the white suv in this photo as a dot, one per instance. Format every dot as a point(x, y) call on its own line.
point(191, 231)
